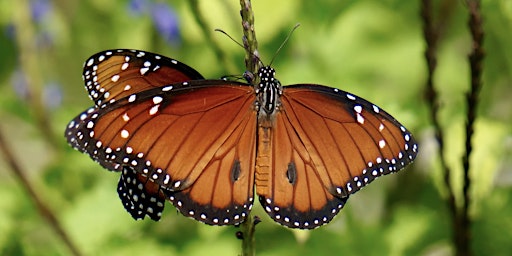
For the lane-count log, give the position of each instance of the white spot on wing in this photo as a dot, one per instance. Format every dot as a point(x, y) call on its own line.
point(115, 78)
point(351, 97)
point(360, 118)
point(154, 109)
point(157, 99)
point(125, 134)
point(126, 118)
point(144, 71)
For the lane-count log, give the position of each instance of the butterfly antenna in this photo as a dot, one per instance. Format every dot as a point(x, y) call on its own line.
point(238, 43)
point(284, 42)
point(226, 34)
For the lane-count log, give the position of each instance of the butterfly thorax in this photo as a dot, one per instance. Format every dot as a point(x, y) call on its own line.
point(268, 91)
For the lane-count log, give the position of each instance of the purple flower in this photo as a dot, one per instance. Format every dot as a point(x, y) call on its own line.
point(166, 22)
point(10, 31)
point(39, 9)
point(19, 83)
point(138, 7)
point(52, 95)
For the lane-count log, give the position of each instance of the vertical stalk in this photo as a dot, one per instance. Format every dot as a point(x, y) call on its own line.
point(44, 210)
point(475, 61)
point(431, 35)
point(461, 222)
point(252, 65)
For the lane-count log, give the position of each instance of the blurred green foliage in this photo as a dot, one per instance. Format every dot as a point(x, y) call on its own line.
point(373, 48)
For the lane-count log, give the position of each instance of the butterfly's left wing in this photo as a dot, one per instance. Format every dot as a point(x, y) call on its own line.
point(324, 145)
point(193, 141)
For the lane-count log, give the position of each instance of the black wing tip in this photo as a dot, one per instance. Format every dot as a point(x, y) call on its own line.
point(292, 218)
point(75, 126)
point(374, 170)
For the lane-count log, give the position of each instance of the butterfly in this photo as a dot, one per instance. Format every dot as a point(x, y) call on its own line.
point(208, 145)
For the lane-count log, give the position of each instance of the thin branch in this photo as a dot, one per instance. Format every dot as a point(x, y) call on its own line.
point(432, 32)
point(248, 230)
point(252, 65)
point(252, 56)
point(43, 209)
point(476, 61)
point(460, 216)
point(431, 36)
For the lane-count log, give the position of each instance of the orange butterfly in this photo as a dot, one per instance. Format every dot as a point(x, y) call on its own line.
point(206, 144)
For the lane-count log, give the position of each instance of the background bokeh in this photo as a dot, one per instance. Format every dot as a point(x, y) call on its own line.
point(372, 48)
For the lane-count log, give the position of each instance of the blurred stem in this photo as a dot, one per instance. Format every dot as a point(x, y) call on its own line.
point(207, 32)
point(431, 35)
point(431, 31)
point(475, 61)
point(461, 222)
point(252, 65)
point(29, 57)
point(43, 209)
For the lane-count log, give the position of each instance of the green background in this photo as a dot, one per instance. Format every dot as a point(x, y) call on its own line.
point(372, 48)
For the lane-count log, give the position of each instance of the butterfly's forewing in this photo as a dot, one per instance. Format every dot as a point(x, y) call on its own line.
point(195, 140)
point(114, 74)
point(327, 144)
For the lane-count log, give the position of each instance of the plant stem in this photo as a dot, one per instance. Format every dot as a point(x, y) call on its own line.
point(252, 65)
point(461, 222)
point(43, 209)
point(475, 61)
point(431, 35)
point(252, 62)
point(248, 239)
